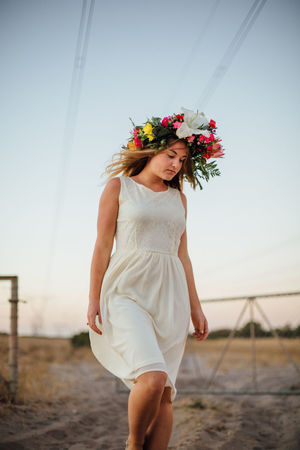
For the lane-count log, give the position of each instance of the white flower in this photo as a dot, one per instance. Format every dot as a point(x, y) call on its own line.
point(191, 123)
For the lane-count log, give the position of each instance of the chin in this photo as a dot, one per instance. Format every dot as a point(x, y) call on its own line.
point(170, 175)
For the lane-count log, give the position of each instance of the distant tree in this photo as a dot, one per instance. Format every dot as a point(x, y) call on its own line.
point(297, 331)
point(81, 339)
point(221, 333)
point(285, 331)
point(245, 331)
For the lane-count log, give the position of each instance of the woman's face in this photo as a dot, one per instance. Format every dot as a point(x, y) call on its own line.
point(168, 162)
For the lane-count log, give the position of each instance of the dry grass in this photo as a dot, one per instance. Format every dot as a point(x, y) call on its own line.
point(238, 355)
point(36, 383)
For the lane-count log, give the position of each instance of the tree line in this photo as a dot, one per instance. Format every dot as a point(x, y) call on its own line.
point(286, 331)
point(82, 339)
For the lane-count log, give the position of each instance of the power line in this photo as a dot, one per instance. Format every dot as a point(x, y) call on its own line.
point(69, 130)
point(195, 48)
point(254, 256)
point(230, 53)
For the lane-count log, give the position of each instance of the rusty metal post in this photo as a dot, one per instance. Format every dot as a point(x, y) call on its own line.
point(252, 335)
point(13, 340)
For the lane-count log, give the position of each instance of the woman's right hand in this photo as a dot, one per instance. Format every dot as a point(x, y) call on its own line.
point(93, 310)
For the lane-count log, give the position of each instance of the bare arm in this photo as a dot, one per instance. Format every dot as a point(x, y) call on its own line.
point(106, 228)
point(198, 318)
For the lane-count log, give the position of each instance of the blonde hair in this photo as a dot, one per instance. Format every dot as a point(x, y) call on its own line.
point(131, 162)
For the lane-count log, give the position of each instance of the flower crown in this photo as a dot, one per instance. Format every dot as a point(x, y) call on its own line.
point(194, 128)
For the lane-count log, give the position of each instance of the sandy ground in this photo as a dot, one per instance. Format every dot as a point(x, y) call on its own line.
point(92, 413)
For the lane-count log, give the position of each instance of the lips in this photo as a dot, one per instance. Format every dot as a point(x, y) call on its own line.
point(172, 171)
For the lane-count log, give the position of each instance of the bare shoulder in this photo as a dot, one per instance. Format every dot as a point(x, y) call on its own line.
point(112, 187)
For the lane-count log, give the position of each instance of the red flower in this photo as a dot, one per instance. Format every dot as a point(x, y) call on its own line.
point(212, 124)
point(179, 116)
point(165, 121)
point(137, 141)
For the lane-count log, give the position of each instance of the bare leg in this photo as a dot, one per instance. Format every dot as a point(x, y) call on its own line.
point(143, 405)
point(159, 431)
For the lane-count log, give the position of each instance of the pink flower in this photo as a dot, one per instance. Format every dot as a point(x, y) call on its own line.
point(212, 137)
point(217, 152)
point(177, 124)
point(191, 138)
point(165, 121)
point(137, 141)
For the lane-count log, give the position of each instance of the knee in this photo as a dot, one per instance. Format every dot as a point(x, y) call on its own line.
point(166, 397)
point(154, 381)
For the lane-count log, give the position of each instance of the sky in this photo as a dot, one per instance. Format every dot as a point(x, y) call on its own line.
point(142, 60)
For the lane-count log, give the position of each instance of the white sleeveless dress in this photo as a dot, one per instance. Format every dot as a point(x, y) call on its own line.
point(144, 300)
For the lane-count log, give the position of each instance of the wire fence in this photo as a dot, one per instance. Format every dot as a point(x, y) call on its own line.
point(197, 379)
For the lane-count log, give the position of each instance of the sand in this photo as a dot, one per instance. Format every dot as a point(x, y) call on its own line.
point(90, 412)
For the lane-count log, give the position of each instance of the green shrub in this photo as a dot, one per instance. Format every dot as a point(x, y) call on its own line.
point(244, 332)
point(221, 333)
point(80, 340)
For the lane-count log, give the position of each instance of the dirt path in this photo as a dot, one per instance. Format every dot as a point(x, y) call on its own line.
point(91, 414)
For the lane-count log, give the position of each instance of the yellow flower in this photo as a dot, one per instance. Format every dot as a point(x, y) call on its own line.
point(148, 131)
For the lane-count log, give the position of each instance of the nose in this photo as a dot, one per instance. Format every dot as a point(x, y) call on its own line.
point(176, 164)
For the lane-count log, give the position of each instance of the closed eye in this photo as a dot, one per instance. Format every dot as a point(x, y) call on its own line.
point(171, 156)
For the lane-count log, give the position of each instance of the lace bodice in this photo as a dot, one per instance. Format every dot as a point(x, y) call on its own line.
point(149, 220)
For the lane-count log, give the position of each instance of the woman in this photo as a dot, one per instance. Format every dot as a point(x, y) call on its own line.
point(143, 296)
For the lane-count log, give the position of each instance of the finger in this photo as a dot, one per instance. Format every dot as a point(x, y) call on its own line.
point(98, 313)
point(95, 328)
point(202, 327)
point(198, 336)
point(197, 331)
point(206, 331)
point(204, 336)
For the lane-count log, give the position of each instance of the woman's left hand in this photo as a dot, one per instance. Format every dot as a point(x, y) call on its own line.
point(200, 324)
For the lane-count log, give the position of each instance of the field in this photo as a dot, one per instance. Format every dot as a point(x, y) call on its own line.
point(67, 400)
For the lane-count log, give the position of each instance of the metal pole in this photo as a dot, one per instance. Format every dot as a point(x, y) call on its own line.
point(252, 334)
point(229, 299)
point(229, 339)
point(13, 340)
point(275, 334)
